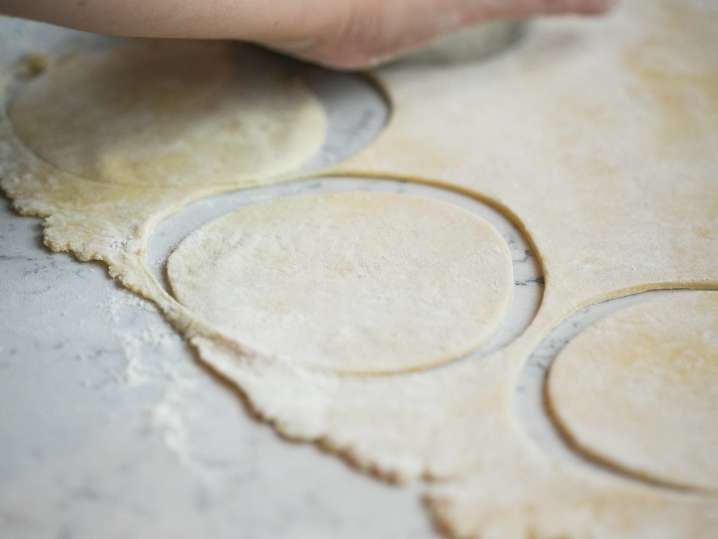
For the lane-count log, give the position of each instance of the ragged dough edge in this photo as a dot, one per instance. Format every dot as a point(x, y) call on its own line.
point(540, 501)
point(261, 383)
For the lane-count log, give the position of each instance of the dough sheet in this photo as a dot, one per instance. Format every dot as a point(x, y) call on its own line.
point(597, 138)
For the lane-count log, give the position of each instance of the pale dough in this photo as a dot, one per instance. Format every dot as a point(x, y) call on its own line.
point(173, 114)
point(596, 137)
point(361, 282)
point(640, 389)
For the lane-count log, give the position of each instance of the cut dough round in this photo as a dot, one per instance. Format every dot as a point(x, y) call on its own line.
point(640, 389)
point(170, 113)
point(360, 282)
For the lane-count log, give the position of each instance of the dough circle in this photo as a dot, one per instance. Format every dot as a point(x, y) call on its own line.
point(354, 282)
point(170, 114)
point(640, 389)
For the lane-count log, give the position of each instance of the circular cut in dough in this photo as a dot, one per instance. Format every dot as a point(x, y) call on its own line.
point(640, 389)
point(170, 114)
point(355, 282)
point(470, 45)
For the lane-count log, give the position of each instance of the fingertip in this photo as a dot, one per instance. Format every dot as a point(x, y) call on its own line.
point(594, 7)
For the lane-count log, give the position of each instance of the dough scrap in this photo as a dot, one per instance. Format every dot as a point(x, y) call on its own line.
point(170, 114)
point(640, 389)
point(362, 282)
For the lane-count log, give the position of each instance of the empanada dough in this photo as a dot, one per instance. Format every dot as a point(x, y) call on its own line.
point(614, 185)
point(170, 114)
point(639, 389)
point(361, 282)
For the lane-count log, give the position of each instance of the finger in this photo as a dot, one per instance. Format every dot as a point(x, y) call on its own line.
point(370, 32)
point(341, 33)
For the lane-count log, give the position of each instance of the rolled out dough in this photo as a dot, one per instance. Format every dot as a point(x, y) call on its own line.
point(174, 114)
point(351, 281)
point(640, 389)
point(614, 187)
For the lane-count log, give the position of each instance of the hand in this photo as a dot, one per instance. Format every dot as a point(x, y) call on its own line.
point(338, 33)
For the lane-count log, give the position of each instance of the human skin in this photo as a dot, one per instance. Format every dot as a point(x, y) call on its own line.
point(347, 34)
